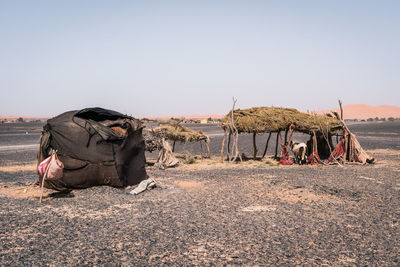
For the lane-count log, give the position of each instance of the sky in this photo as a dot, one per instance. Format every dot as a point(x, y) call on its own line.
point(168, 58)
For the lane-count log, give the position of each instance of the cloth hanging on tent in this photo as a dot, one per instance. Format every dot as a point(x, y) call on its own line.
point(338, 151)
point(314, 157)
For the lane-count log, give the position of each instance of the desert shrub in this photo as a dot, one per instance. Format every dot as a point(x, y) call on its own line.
point(189, 159)
point(271, 161)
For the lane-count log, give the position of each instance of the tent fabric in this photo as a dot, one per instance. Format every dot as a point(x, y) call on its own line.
point(92, 153)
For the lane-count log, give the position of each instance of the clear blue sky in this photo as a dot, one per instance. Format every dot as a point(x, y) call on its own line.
point(152, 58)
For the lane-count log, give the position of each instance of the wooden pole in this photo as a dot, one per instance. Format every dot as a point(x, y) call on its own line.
point(346, 146)
point(43, 178)
point(229, 143)
point(266, 145)
point(286, 132)
point(315, 146)
point(173, 146)
point(235, 149)
point(208, 150)
point(222, 147)
point(254, 146)
point(330, 140)
point(341, 109)
point(201, 149)
point(276, 145)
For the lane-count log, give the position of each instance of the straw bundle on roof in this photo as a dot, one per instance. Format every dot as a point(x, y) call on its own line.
point(271, 119)
point(179, 133)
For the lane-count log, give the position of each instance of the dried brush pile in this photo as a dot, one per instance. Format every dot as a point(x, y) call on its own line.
point(177, 132)
point(272, 119)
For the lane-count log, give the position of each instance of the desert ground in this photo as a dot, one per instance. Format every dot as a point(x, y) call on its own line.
point(208, 213)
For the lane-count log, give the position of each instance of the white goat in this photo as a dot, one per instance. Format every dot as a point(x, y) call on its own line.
point(299, 150)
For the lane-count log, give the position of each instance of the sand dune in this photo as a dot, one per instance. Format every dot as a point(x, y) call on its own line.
point(353, 111)
point(362, 111)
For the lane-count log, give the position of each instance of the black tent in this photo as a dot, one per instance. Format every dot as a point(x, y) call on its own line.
point(97, 147)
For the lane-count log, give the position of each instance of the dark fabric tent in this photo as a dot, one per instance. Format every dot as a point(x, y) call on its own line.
point(97, 147)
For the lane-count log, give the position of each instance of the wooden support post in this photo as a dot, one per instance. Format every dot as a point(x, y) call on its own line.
point(315, 146)
point(222, 147)
point(266, 145)
point(229, 144)
point(341, 109)
point(346, 146)
point(173, 146)
point(208, 150)
point(201, 149)
point(254, 146)
point(286, 132)
point(276, 145)
point(330, 142)
point(42, 185)
point(350, 150)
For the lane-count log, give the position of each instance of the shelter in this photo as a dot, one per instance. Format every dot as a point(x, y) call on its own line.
point(157, 139)
point(153, 141)
point(178, 133)
point(273, 119)
point(97, 146)
point(321, 128)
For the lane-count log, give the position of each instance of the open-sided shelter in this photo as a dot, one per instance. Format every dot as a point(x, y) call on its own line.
point(97, 146)
point(321, 128)
point(274, 119)
point(177, 133)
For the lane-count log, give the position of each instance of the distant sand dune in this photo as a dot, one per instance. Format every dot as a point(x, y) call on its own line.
point(354, 111)
point(361, 111)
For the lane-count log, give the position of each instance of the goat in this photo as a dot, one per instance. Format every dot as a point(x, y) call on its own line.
point(299, 150)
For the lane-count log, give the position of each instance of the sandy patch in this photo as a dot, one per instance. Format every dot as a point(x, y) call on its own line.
point(189, 185)
point(85, 213)
point(258, 208)
point(19, 192)
point(392, 163)
point(215, 163)
point(31, 166)
point(390, 152)
point(301, 195)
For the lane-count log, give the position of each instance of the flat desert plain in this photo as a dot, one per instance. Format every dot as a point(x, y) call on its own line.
point(208, 213)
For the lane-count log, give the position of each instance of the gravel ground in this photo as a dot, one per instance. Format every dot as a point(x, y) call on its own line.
point(230, 215)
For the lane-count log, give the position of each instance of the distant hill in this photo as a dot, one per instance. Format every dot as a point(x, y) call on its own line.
point(362, 111)
point(26, 118)
point(354, 111)
point(198, 117)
